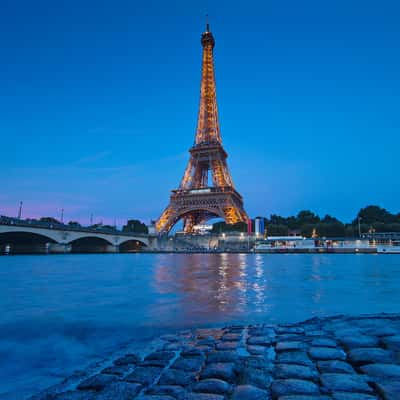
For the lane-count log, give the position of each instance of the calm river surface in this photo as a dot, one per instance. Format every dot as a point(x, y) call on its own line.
point(57, 313)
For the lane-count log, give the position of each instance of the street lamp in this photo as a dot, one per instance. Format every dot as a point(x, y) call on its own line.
point(20, 210)
point(359, 226)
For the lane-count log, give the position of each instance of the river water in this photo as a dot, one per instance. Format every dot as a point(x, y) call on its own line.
point(58, 313)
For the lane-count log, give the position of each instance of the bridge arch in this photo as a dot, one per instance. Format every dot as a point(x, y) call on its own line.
point(52, 235)
point(131, 245)
point(91, 244)
point(23, 242)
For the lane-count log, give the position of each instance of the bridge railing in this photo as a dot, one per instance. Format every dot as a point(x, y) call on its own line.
point(63, 227)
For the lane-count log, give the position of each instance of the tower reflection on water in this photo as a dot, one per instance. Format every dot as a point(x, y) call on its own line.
point(211, 288)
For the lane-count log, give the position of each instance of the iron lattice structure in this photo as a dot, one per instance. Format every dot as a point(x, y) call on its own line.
point(206, 190)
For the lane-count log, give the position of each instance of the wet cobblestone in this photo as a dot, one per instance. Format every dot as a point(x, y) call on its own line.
point(336, 358)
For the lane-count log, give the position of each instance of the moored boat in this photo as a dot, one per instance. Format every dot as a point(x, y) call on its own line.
point(388, 249)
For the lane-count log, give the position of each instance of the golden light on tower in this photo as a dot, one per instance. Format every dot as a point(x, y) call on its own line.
point(198, 200)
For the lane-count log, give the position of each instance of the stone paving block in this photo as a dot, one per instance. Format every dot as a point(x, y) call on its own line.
point(304, 397)
point(249, 392)
point(222, 356)
point(234, 329)
point(259, 363)
point(73, 395)
point(127, 359)
point(216, 386)
point(209, 340)
point(335, 366)
point(227, 345)
point(382, 331)
point(144, 375)
point(288, 346)
point(204, 332)
point(97, 382)
point(205, 349)
point(289, 329)
point(188, 348)
point(116, 370)
point(192, 352)
point(284, 387)
point(347, 332)
point(387, 371)
point(203, 396)
point(177, 377)
point(289, 337)
point(231, 337)
point(370, 355)
point(392, 342)
point(283, 371)
point(357, 341)
point(188, 364)
point(265, 351)
point(389, 390)
point(368, 323)
point(293, 357)
point(326, 353)
point(160, 355)
point(120, 391)
point(261, 331)
point(316, 333)
point(224, 371)
point(260, 340)
point(177, 392)
point(323, 342)
point(154, 363)
point(256, 377)
point(345, 383)
point(352, 396)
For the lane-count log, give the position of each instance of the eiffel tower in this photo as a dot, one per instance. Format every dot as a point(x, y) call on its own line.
point(206, 190)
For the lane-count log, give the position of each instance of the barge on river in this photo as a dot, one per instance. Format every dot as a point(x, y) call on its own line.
point(299, 244)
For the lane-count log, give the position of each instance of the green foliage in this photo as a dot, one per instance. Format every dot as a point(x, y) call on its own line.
point(372, 219)
point(50, 220)
point(307, 217)
point(373, 214)
point(74, 224)
point(277, 230)
point(134, 225)
point(331, 229)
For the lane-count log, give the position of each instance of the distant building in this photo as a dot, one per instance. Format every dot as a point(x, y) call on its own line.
point(152, 228)
point(259, 226)
point(202, 229)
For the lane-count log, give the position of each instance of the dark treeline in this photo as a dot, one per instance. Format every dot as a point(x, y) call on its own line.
point(305, 223)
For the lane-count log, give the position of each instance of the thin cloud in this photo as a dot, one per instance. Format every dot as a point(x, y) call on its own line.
point(92, 158)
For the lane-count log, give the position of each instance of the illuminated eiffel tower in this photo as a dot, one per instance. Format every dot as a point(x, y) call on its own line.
point(206, 190)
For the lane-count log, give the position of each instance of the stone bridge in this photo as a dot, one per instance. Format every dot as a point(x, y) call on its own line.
point(18, 236)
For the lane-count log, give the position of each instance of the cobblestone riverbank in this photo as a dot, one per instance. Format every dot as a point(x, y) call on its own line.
point(340, 358)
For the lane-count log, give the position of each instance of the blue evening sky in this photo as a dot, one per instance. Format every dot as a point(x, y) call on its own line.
point(98, 104)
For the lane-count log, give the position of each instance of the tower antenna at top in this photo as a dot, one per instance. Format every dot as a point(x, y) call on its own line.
point(207, 24)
